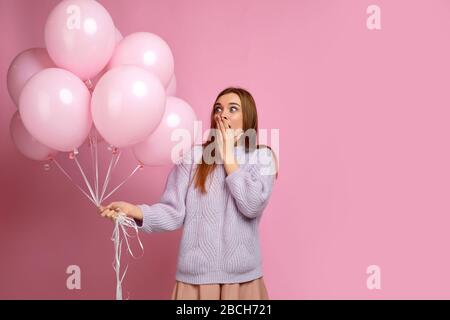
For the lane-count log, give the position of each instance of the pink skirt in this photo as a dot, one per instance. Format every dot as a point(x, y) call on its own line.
point(250, 290)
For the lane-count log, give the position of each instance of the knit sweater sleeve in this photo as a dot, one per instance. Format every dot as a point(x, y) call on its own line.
point(168, 214)
point(251, 186)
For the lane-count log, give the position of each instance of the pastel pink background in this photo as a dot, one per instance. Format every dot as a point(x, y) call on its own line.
point(364, 149)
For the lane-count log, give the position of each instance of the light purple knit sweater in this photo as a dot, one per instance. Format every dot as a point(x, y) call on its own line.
point(220, 240)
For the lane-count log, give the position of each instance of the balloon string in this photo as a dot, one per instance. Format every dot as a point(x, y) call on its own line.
point(117, 160)
point(126, 179)
point(121, 223)
point(105, 182)
point(91, 147)
point(71, 179)
point(111, 167)
point(86, 180)
point(96, 163)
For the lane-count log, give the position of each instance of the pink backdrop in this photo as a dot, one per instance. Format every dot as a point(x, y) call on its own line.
point(364, 157)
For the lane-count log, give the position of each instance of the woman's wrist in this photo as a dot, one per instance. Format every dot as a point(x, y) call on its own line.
point(231, 166)
point(138, 214)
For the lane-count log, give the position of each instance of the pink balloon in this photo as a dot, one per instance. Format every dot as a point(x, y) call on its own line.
point(127, 105)
point(95, 79)
point(23, 67)
point(26, 143)
point(172, 87)
point(178, 124)
point(80, 36)
point(54, 106)
point(118, 36)
point(145, 50)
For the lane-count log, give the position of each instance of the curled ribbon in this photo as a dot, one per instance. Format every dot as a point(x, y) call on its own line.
point(121, 223)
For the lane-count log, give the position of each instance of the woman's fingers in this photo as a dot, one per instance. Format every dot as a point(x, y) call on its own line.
point(220, 124)
point(220, 135)
point(110, 214)
point(106, 213)
point(102, 209)
point(116, 205)
point(223, 123)
point(238, 135)
point(226, 123)
point(113, 209)
point(226, 128)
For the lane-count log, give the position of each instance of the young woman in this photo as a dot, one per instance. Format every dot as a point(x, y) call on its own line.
point(218, 198)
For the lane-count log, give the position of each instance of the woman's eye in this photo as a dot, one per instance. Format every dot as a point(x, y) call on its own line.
point(218, 109)
point(235, 109)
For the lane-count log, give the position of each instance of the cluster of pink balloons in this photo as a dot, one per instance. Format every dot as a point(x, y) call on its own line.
point(90, 77)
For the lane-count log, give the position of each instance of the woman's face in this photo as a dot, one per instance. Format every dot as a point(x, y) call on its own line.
point(229, 108)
